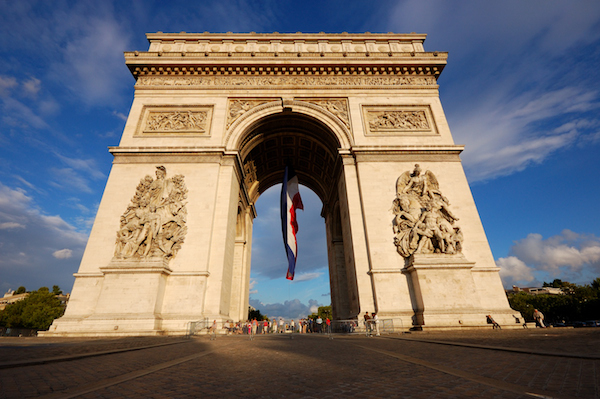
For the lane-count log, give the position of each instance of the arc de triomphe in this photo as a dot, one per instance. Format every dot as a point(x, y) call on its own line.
point(214, 119)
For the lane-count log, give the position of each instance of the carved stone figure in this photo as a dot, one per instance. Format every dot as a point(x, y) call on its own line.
point(423, 222)
point(398, 120)
point(177, 121)
point(154, 224)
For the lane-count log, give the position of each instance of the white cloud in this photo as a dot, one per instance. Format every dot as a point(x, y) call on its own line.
point(11, 225)
point(570, 256)
point(26, 250)
point(568, 250)
point(120, 115)
point(307, 276)
point(506, 84)
point(293, 309)
point(6, 83)
point(513, 270)
point(63, 254)
point(32, 86)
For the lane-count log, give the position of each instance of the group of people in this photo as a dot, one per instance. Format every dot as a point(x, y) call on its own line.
point(372, 324)
point(275, 325)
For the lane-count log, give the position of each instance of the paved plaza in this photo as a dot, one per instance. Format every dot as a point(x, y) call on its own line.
point(542, 363)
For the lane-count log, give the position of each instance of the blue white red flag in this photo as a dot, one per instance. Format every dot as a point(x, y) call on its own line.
point(290, 201)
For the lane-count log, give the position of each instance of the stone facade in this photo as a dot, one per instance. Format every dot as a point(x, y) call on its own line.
point(220, 113)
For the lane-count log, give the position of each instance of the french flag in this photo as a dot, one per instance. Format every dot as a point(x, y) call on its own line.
point(290, 201)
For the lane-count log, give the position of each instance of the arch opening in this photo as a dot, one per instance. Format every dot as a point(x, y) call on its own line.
point(290, 137)
point(313, 149)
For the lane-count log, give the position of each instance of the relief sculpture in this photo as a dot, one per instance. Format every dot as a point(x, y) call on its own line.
point(398, 120)
point(423, 222)
point(176, 121)
point(154, 224)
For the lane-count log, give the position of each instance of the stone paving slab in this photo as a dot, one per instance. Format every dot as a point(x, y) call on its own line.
point(311, 366)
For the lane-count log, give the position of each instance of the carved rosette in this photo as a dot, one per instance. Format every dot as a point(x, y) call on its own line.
point(154, 224)
point(338, 107)
point(239, 107)
point(423, 222)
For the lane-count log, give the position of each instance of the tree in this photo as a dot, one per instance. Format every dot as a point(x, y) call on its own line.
point(255, 314)
point(56, 290)
point(20, 290)
point(325, 312)
point(37, 311)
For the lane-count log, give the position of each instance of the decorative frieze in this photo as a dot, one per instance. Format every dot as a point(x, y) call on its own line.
point(390, 120)
point(261, 82)
point(169, 120)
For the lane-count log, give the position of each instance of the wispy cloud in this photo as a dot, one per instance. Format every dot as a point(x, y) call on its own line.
point(30, 240)
point(507, 84)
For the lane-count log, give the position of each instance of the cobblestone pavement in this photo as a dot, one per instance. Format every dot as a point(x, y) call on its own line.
point(311, 366)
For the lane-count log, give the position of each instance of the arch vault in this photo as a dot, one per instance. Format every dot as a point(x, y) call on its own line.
point(214, 119)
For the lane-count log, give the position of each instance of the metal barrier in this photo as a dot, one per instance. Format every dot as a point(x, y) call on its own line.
point(195, 327)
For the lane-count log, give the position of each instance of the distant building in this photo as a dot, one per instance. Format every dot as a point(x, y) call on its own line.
point(536, 290)
point(10, 297)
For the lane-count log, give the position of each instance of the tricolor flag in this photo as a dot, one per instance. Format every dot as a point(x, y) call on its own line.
point(290, 201)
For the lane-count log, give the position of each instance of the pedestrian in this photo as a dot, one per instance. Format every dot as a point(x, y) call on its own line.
point(281, 325)
point(539, 318)
point(266, 326)
point(293, 326)
point(375, 319)
point(367, 323)
point(328, 323)
point(319, 324)
point(491, 321)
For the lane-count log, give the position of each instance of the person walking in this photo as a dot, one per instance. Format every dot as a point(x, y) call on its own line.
point(367, 323)
point(376, 323)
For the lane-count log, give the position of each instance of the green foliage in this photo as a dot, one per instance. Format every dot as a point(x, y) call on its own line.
point(37, 311)
point(56, 290)
point(325, 312)
point(255, 314)
point(579, 302)
point(20, 290)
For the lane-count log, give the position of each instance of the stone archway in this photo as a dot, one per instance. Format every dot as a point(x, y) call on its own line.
point(266, 145)
point(216, 115)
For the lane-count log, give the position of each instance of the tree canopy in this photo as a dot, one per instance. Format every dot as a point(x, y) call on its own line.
point(37, 311)
point(579, 302)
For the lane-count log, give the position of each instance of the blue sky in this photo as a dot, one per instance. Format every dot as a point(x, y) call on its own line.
point(520, 91)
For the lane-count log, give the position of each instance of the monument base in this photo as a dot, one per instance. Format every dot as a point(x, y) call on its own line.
point(446, 296)
point(122, 310)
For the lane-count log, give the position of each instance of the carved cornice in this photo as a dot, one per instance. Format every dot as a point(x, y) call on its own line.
point(294, 44)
